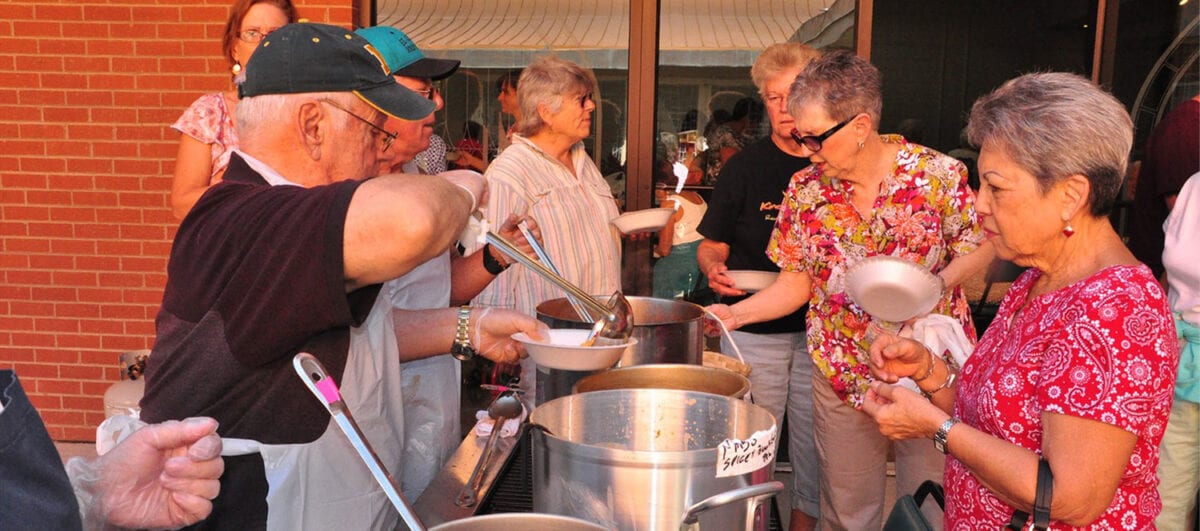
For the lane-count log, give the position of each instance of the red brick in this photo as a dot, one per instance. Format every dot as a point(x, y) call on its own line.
point(15, 113)
point(163, 150)
point(33, 339)
point(65, 114)
point(83, 403)
point(158, 82)
point(144, 199)
point(14, 354)
point(142, 132)
point(50, 230)
point(19, 320)
point(40, 164)
point(183, 65)
point(36, 371)
point(21, 46)
point(91, 132)
point(15, 212)
point(21, 147)
point(183, 32)
point(147, 296)
point(39, 28)
point(107, 13)
point(140, 64)
point(29, 245)
point(203, 13)
point(90, 230)
point(58, 12)
point(97, 263)
point(136, 167)
point(14, 229)
point(120, 280)
point(121, 343)
point(116, 81)
point(19, 80)
point(140, 328)
point(56, 417)
point(62, 47)
point(118, 149)
point(71, 182)
point(90, 166)
point(72, 214)
point(49, 131)
point(58, 326)
point(109, 47)
point(75, 247)
point(205, 84)
point(85, 30)
point(143, 232)
point(163, 48)
point(51, 293)
point(90, 98)
point(78, 341)
point(101, 326)
point(13, 11)
point(76, 278)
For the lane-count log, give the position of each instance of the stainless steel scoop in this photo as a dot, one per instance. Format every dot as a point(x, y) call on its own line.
point(503, 408)
point(615, 324)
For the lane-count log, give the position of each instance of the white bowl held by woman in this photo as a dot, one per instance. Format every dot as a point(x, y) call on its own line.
point(750, 281)
point(563, 350)
point(650, 219)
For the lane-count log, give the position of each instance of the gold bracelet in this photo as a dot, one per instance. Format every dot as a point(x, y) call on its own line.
point(945, 385)
point(929, 372)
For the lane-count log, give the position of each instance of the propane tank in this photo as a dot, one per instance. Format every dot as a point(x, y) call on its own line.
point(122, 397)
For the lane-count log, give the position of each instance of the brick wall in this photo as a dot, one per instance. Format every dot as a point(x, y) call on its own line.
point(87, 92)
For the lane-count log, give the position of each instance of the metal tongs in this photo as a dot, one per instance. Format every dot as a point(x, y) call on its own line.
point(317, 379)
point(615, 324)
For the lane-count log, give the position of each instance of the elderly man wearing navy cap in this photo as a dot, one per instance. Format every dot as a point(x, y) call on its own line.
point(286, 256)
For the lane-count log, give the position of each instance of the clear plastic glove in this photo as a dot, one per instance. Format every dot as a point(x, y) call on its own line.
point(492, 333)
point(722, 312)
point(470, 181)
point(511, 231)
point(161, 476)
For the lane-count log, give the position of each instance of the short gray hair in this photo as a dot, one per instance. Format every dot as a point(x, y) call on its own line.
point(777, 58)
point(547, 81)
point(268, 110)
point(842, 83)
point(1055, 125)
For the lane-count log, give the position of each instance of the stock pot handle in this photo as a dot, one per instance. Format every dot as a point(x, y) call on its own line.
point(755, 494)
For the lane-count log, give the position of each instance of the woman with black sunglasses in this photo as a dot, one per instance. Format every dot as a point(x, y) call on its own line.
point(865, 194)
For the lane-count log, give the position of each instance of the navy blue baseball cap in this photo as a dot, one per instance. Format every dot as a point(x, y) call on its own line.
point(307, 57)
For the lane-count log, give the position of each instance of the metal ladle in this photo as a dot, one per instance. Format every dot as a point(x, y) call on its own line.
point(616, 318)
point(503, 408)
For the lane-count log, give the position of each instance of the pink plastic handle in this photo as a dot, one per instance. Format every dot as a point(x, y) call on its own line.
point(329, 390)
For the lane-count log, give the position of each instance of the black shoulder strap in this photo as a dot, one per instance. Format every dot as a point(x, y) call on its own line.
point(1041, 501)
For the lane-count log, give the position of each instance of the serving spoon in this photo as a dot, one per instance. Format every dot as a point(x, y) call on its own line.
point(504, 407)
point(615, 324)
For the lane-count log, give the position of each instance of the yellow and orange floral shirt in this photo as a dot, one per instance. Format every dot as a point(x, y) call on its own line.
point(924, 214)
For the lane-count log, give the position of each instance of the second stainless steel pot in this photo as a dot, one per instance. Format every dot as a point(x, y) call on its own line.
point(638, 458)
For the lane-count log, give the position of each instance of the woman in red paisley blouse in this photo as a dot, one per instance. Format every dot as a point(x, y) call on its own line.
point(1078, 366)
point(865, 194)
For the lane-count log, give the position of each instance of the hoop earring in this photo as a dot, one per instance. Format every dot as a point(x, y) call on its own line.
point(1068, 231)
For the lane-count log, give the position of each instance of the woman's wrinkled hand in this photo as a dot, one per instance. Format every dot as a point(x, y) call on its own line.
point(722, 312)
point(493, 329)
point(892, 357)
point(900, 413)
point(720, 283)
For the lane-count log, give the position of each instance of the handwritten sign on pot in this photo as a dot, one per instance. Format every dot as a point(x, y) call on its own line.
point(742, 456)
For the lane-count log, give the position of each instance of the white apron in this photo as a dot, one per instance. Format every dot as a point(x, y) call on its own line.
point(430, 385)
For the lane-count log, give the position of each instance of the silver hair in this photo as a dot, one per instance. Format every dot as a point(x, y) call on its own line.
point(548, 81)
point(779, 57)
point(1055, 125)
point(841, 83)
point(269, 110)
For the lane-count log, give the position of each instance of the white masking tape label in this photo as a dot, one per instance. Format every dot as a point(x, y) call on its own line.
point(742, 456)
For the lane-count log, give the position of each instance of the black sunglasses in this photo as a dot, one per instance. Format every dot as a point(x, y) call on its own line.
point(813, 142)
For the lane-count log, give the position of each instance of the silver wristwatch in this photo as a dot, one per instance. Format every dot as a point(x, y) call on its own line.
point(939, 438)
point(461, 349)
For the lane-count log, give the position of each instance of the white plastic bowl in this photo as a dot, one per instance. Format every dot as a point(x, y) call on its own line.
point(750, 281)
point(650, 219)
point(893, 289)
point(563, 350)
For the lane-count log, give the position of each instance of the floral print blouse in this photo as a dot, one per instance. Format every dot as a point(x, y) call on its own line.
point(1101, 349)
point(924, 214)
point(208, 120)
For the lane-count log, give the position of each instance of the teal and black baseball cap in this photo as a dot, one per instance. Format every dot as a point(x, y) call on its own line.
point(402, 56)
point(306, 57)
